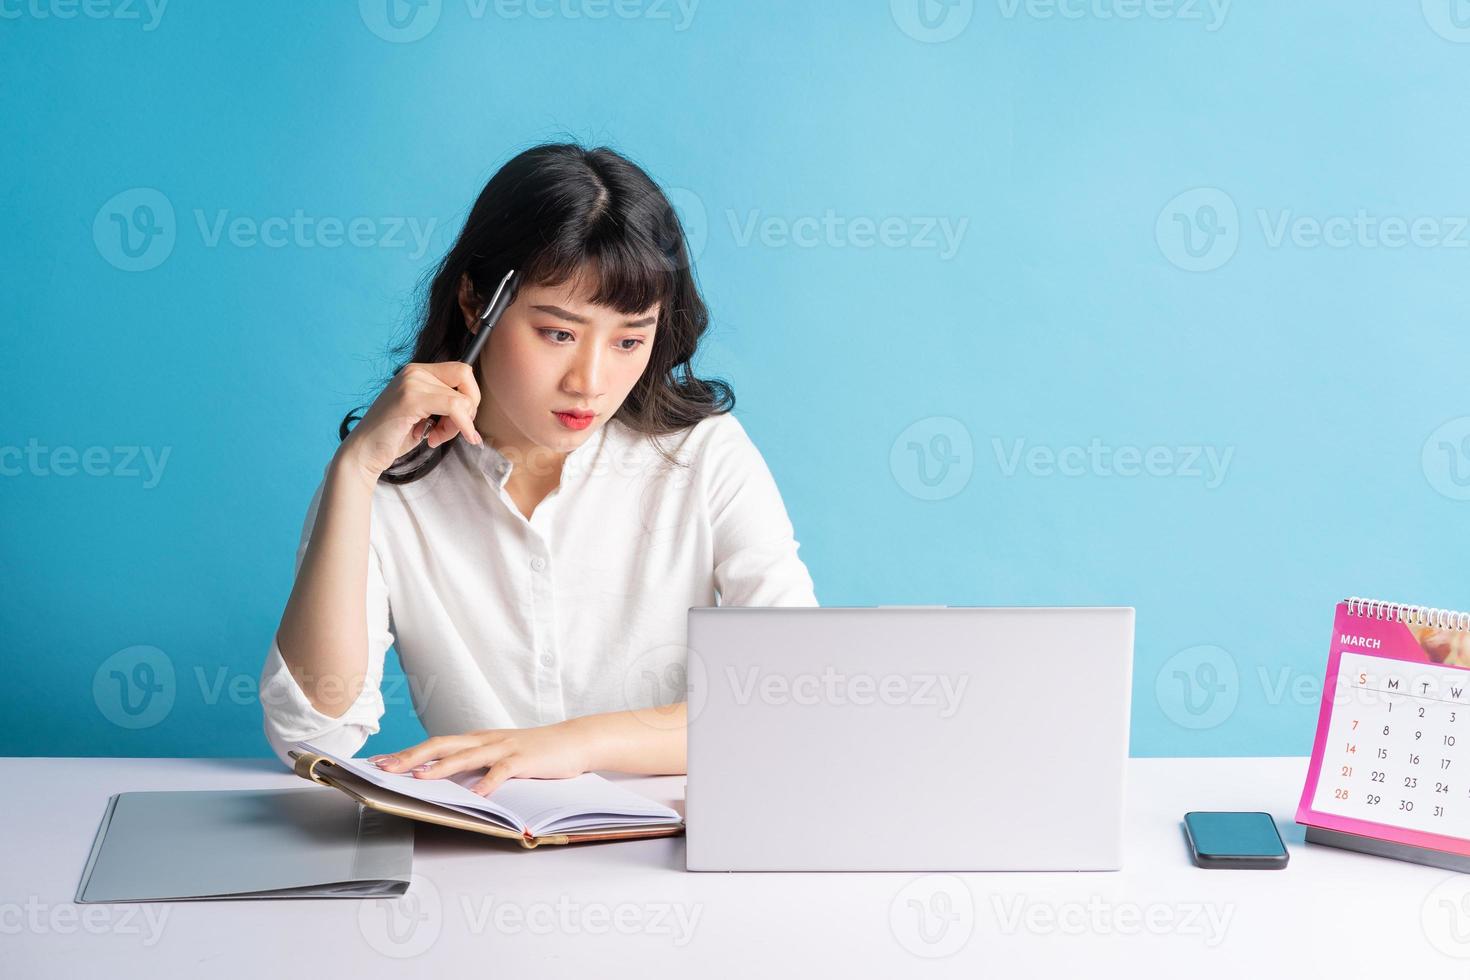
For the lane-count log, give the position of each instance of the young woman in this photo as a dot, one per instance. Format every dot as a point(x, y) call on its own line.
point(534, 554)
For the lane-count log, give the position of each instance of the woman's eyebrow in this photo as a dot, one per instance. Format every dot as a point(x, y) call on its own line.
point(557, 311)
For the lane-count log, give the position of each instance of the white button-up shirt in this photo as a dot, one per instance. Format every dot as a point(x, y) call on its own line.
point(506, 622)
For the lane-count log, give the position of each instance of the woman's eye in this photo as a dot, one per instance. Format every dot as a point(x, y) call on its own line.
point(558, 336)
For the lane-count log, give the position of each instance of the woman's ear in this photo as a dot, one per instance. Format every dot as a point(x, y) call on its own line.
point(468, 302)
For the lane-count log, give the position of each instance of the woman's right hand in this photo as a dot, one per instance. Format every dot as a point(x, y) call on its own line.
point(395, 422)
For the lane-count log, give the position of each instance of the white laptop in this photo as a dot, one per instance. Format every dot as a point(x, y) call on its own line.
point(917, 738)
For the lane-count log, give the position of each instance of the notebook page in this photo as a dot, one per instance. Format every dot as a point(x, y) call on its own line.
point(446, 792)
point(547, 803)
point(538, 805)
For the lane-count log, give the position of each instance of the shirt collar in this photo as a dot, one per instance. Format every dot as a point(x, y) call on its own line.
point(497, 466)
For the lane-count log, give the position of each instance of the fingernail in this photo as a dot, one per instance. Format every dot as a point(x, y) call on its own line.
point(422, 767)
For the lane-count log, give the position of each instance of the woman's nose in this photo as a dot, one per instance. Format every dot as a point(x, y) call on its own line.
point(585, 376)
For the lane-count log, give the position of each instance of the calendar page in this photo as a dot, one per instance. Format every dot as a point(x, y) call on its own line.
point(1391, 758)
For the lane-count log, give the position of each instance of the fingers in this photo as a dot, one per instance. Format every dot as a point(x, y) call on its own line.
point(457, 414)
point(466, 760)
point(446, 428)
point(505, 768)
point(450, 374)
point(416, 755)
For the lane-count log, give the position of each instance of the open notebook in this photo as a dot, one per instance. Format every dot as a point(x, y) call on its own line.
point(532, 811)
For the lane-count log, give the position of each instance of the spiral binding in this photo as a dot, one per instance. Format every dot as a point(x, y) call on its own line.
point(1445, 619)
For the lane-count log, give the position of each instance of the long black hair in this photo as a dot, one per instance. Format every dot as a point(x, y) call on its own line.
point(554, 212)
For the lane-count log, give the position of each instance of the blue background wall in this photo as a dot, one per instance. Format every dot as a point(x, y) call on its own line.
point(1130, 192)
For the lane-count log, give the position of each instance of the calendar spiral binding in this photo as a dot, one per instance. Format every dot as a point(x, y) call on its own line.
point(1445, 619)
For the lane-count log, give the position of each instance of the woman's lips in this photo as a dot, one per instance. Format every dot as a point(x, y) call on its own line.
point(572, 421)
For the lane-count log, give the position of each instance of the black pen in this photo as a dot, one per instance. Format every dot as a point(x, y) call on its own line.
point(505, 294)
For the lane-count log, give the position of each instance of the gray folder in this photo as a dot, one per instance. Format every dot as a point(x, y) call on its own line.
point(221, 844)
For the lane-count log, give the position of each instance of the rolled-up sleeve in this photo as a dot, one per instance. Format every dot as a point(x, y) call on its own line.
point(289, 717)
point(756, 562)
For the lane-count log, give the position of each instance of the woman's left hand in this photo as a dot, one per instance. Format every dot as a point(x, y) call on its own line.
point(548, 752)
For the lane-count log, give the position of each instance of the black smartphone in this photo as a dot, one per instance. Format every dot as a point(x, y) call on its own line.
point(1234, 839)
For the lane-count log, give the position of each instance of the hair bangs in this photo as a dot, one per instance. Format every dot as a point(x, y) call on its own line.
point(617, 269)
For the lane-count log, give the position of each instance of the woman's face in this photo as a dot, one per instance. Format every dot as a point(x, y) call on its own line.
point(554, 352)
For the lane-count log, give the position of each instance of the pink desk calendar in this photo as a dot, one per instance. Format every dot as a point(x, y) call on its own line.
point(1390, 768)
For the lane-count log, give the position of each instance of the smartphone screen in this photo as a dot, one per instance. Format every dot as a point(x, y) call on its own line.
point(1234, 839)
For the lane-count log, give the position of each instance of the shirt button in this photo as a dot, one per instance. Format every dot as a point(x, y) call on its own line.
point(538, 563)
point(546, 660)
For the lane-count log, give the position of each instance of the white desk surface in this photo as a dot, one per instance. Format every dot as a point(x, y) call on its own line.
point(630, 908)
